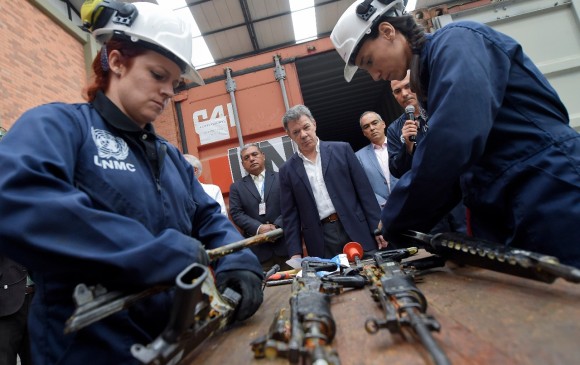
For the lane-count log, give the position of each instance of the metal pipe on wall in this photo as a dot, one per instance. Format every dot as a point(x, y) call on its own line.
point(231, 88)
point(280, 75)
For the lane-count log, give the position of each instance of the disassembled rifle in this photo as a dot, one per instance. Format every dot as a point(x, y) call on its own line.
point(199, 309)
point(393, 287)
point(404, 305)
point(306, 336)
point(96, 303)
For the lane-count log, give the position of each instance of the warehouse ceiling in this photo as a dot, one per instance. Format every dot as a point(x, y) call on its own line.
point(233, 29)
point(239, 28)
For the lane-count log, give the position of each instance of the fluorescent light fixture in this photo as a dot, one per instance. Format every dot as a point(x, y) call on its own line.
point(303, 19)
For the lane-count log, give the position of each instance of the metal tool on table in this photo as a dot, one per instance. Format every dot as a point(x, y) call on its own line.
point(274, 269)
point(281, 278)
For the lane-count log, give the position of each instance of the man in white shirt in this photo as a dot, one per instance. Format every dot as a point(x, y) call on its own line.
point(374, 157)
point(255, 206)
point(212, 190)
point(326, 197)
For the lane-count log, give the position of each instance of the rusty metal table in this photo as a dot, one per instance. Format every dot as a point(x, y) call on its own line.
point(486, 318)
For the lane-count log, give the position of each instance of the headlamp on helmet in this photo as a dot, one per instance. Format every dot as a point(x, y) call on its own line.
point(96, 14)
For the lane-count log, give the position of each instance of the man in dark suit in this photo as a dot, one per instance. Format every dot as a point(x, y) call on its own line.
point(15, 297)
point(326, 197)
point(374, 157)
point(255, 206)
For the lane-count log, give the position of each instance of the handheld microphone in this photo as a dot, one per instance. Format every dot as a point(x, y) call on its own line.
point(410, 112)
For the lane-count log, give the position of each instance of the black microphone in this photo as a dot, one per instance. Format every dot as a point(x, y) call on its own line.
point(410, 111)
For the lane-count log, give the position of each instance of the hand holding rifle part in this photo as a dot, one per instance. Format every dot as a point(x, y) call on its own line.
point(198, 311)
point(96, 303)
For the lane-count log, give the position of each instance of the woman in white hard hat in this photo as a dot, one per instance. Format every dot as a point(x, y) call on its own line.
point(499, 135)
point(90, 194)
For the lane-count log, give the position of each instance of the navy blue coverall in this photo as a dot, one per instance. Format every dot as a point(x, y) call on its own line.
point(500, 129)
point(400, 162)
point(85, 198)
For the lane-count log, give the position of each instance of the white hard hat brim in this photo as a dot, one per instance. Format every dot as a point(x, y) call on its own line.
point(349, 71)
point(191, 75)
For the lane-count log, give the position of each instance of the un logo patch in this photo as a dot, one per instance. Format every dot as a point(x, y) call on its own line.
point(109, 146)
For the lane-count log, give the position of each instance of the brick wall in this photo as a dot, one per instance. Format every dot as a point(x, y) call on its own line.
point(166, 126)
point(39, 61)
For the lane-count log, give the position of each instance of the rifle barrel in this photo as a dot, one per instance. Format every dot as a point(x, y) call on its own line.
point(222, 251)
point(424, 333)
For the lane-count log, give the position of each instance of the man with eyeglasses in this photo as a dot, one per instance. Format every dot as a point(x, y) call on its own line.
point(255, 206)
point(374, 157)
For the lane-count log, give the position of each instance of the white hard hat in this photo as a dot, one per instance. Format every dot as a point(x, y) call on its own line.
point(356, 22)
point(156, 27)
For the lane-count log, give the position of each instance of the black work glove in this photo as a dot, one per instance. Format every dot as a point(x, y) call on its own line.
point(200, 254)
point(246, 283)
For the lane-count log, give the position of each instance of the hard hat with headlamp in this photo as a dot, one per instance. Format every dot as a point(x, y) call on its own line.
point(356, 22)
point(150, 25)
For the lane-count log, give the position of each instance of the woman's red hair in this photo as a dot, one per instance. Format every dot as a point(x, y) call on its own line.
point(129, 51)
